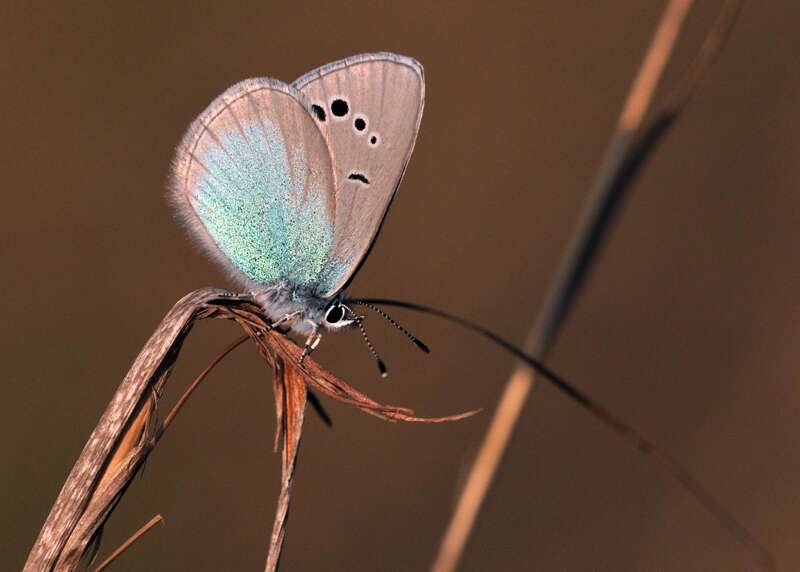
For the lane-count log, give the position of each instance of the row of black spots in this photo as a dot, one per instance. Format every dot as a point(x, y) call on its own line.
point(360, 124)
point(339, 107)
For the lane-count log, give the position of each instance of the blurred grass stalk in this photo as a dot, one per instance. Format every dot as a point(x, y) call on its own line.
point(628, 149)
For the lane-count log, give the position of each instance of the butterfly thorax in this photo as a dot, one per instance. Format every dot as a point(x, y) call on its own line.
point(300, 307)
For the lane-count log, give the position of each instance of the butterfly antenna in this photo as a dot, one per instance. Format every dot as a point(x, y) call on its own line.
point(378, 360)
point(392, 321)
point(646, 447)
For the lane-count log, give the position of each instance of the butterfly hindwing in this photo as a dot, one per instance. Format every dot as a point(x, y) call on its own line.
point(254, 181)
point(370, 107)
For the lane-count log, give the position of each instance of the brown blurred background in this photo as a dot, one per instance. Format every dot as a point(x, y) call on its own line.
point(688, 327)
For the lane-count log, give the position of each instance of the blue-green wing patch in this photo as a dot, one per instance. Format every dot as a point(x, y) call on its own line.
point(254, 181)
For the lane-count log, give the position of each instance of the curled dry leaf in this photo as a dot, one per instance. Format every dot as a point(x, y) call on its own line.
point(291, 381)
point(128, 430)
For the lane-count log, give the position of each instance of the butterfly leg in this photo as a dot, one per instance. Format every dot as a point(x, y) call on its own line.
point(311, 342)
point(263, 297)
point(284, 319)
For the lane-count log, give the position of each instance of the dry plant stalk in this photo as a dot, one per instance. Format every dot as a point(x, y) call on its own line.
point(629, 147)
point(128, 543)
point(129, 429)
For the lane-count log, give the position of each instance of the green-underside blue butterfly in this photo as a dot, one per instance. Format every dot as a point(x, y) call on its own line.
point(286, 185)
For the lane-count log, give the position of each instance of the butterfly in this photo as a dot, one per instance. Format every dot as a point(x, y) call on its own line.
point(286, 186)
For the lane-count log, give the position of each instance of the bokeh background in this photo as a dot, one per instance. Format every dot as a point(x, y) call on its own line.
point(688, 327)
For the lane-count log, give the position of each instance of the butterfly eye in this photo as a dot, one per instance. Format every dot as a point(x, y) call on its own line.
point(335, 314)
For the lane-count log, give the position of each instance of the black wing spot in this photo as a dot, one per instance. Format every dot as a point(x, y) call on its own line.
point(374, 139)
point(339, 107)
point(360, 124)
point(358, 177)
point(318, 111)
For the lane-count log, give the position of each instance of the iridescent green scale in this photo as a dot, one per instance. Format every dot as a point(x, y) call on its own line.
point(258, 226)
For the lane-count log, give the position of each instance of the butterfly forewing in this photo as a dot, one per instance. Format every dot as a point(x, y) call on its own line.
point(253, 179)
point(370, 107)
